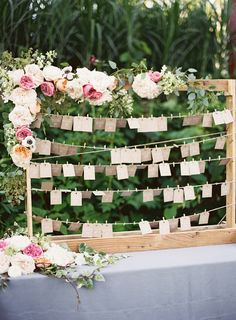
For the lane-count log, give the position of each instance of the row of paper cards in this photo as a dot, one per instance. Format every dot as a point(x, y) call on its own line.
point(105, 230)
point(122, 171)
point(175, 195)
point(151, 124)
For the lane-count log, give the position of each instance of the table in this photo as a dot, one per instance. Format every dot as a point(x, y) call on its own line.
point(180, 284)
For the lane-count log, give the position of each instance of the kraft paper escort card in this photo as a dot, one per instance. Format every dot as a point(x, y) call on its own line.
point(56, 224)
point(224, 162)
point(79, 170)
point(87, 230)
point(162, 124)
point(110, 170)
point(121, 123)
point(146, 154)
point(55, 120)
point(220, 143)
point(184, 168)
point(132, 170)
point(227, 115)
point(157, 155)
point(207, 120)
point(133, 123)
point(224, 190)
point(107, 231)
point(184, 149)
point(194, 149)
point(218, 117)
point(126, 193)
point(63, 149)
point(165, 153)
point(68, 170)
point(189, 193)
point(168, 194)
point(116, 156)
point(37, 219)
point(72, 150)
point(55, 197)
point(74, 226)
point(44, 147)
point(192, 120)
point(185, 223)
point(178, 196)
point(164, 169)
point(110, 125)
point(99, 169)
point(204, 217)
point(83, 124)
point(45, 170)
point(89, 173)
point(173, 224)
point(34, 171)
point(153, 170)
point(207, 191)
point(194, 217)
point(67, 122)
point(194, 167)
point(154, 224)
point(56, 169)
point(148, 195)
point(156, 192)
point(76, 198)
point(46, 185)
point(164, 227)
point(122, 172)
point(37, 122)
point(55, 148)
point(99, 124)
point(202, 166)
point(145, 227)
point(97, 230)
point(47, 225)
point(86, 194)
point(107, 197)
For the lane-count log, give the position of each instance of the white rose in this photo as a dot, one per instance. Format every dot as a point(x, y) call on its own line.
point(100, 80)
point(18, 242)
point(24, 262)
point(59, 256)
point(144, 87)
point(14, 271)
point(16, 75)
point(52, 73)
point(20, 116)
point(84, 75)
point(79, 259)
point(20, 96)
point(4, 262)
point(34, 71)
point(74, 89)
point(106, 97)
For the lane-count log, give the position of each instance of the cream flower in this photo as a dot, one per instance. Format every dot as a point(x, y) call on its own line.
point(34, 71)
point(84, 75)
point(20, 116)
point(59, 256)
point(4, 262)
point(101, 81)
point(106, 97)
point(52, 73)
point(23, 97)
point(24, 262)
point(15, 75)
point(21, 156)
point(18, 242)
point(144, 87)
point(74, 89)
point(35, 108)
point(14, 271)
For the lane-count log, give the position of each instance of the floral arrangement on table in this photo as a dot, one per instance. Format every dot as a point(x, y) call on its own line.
point(21, 256)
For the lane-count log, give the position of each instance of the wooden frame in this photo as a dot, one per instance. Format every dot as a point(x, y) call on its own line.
point(198, 236)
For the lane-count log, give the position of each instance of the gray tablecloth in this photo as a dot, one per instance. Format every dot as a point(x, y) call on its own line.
point(181, 284)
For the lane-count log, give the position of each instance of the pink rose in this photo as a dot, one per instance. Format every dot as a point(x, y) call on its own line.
point(26, 82)
point(23, 132)
point(3, 245)
point(155, 76)
point(33, 250)
point(47, 88)
point(91, 93)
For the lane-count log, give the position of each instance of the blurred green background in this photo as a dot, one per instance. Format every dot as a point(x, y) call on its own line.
point(176, 33)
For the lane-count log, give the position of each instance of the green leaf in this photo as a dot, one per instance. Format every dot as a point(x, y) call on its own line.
point(192, 70)
point(112, 64)
point(191, 96)
point(99, 277)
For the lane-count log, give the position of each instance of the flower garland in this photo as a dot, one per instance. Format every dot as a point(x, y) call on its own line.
point(28, 85)
point(21, 256)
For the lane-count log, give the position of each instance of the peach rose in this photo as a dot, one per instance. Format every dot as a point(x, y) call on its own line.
point(21, 156)
point(61, 84)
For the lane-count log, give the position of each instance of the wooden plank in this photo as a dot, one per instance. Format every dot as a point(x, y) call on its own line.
point(29, 204)
point(131, 243)
point(211, 85)
point(230, 153)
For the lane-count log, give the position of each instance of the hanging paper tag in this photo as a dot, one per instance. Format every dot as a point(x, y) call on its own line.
point(55, 120)
point(173, 224)
point(79, 170)
point(145, 227)
point(194, 167)
point(56, 170)
point(207, 191)
point(107, 197)
point(116, 156)
point(227, 115)
point(224, 189)
point(37, 122)
point(194, 149)
point(67, 123)
point(148, 195)
point(207, 120)
point(110, 125)
point(121, 123)
point(89, 173)
point(55, 148)
point(133, 123)
point(99, 169)
point(157, 155)
point(164, 169)
point(178, 196)
point(76, 198)
point(56, 225)
point(162, 124)
point(168, 194)
point(136, 156)
point(146, 125)
point(97, 230)
point(202, 166)
point(153, 170)
point(47, 185)
point(45, 170)
point(164, 227)
point(86, 194)
point(55, 197)
point(122, 172)
point(63, 149)
point(184, 150)
point(44, 147)
point(166, 153)
point(146, 155)
point(99, 124)
point(46, 225)
point(98, 193)
point(218, 117)
point(184, 168)
point(189, 193)
point(74, 226)
point(87, 230)
point(68, 170)
point(110, 170)
point(132, 170)
point(107, 231)
point(192, 120)
point(204, 217)
point(185, 223)
point(220, 143)
point(34, 171)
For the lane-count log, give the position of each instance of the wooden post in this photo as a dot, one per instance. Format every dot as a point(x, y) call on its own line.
point(29, 204)
point(230, 152)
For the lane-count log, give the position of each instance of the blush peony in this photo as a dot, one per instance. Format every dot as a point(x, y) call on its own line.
point(26, 82)
point(23, 132)
point(33, 250)
point(47, 88)
point(155, 76)
point(3, 245)
point(34, 71)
